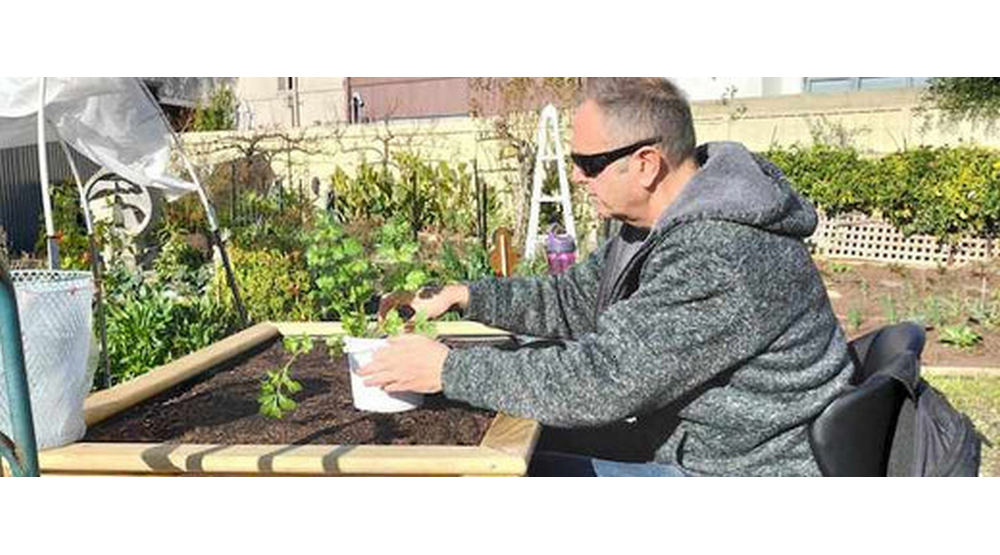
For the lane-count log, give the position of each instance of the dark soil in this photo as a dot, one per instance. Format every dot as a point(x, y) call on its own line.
point(879, 294)
point(221, 408)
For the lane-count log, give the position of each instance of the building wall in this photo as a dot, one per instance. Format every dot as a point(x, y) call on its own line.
point(410, 97)
point(310, 101)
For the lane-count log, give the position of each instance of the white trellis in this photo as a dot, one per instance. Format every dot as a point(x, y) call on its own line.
point(549, 140)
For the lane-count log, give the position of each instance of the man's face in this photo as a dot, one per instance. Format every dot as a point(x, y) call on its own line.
point(614, 191)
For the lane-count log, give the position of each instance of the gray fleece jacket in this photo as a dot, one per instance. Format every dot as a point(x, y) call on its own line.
point(714, 325)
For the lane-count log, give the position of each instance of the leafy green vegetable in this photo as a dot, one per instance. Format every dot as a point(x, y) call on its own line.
point(277, 387)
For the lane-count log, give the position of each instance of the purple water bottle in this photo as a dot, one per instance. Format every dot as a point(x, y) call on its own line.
point(560, 249)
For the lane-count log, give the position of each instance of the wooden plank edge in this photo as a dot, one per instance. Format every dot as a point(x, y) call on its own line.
point(514, 436)
point(464, 327)
point(970, 371)
point(276, 460)
point(103, 404)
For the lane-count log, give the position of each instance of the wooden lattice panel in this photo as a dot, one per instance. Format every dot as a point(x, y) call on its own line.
point(861, 237)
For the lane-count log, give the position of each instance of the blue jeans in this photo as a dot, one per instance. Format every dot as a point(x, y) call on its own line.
point(547, 463)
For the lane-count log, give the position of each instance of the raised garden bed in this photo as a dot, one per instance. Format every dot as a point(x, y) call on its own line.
point(198, 416)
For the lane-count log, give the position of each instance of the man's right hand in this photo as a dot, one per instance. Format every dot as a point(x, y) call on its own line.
point(432, 300)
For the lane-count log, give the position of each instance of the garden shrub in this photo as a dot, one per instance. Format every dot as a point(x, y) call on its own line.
point(69, 226)
point(430, 196)
point(273, 285)
point(946, 192)
point(149, 323)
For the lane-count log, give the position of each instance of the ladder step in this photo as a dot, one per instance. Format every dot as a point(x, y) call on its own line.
point(548, 198)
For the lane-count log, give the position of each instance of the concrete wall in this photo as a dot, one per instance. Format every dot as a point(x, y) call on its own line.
point(875, 121)
point(715, 88)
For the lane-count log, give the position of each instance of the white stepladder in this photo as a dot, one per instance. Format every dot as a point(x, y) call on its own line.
point(549, 141)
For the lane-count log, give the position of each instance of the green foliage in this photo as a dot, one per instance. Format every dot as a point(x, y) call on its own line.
point(219, 114)
point(273, 285)
point(946, 192)
point(470, 265)
point(424, 326)
point(274, 221)
point(961, 336)
point(396, 257)
point(428, 196)
point(70, 228)
point(537, 266)
point(974, 99)
point(393, 323)
point(346, 274)
point(933, 312)
point(855, 317)
point(150, 323)
point(834, 178)
point(343, 275)
point(889, 309)
point(277, 387)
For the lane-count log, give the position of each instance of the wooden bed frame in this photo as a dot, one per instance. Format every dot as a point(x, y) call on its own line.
point(504, 451)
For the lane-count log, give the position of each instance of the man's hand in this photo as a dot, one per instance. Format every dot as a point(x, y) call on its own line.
point(433, 301)
point(408, 363)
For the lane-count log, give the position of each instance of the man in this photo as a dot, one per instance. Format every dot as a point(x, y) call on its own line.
point(706, 306)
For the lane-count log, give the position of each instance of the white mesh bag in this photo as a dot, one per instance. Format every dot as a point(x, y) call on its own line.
point(55, 309)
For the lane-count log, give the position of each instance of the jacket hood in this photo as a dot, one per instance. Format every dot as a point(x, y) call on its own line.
point(736, 185)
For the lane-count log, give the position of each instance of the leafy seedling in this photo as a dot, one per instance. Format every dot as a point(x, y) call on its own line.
point(889, 310)
point(840, 268)
point(855, 318)
point(961, 336)
point(277, 387)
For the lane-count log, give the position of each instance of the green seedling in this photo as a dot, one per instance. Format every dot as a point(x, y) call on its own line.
point(392, 325)
point(840, 268)
point(963, 337)
point(889, 309)
point(863, 285)
point(277, 387)
point(855, 318)
point(933, 312)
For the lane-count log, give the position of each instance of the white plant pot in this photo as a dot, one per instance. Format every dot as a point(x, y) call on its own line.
point(373, 398)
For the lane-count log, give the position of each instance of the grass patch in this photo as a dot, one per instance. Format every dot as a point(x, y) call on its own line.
point(978, 397)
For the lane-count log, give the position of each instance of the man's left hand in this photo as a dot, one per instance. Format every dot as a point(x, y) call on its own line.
point(408, 363)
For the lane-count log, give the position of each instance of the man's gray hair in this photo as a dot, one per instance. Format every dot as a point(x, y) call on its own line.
point(638, 108)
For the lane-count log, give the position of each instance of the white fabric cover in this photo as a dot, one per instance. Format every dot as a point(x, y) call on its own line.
point(111, 120)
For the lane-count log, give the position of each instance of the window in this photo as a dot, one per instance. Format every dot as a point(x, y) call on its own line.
point(844, 84)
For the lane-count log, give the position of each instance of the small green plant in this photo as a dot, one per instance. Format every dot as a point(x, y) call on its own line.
point(953, 309)
point(889, 309)
point(840, 268)
point(961, 336)
point(345, 279)
point(933, 312)
point(537, 266)
point(396, 257)
point(983, 312)
point(855, 317)
point(277, 387)
point(865, 287)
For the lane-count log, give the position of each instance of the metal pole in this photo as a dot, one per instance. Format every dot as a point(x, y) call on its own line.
point(43, 176)
point(22, 453)
point(209, 212)
point(95, 267)
point(217, 239)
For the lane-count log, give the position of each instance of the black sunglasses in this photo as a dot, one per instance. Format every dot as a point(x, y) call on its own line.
point(593, 164)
